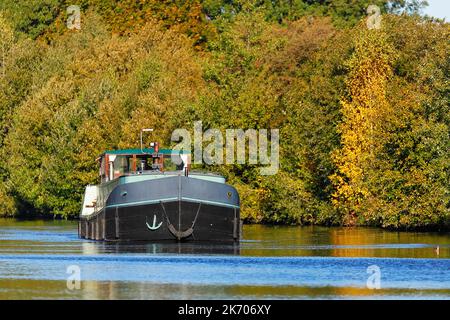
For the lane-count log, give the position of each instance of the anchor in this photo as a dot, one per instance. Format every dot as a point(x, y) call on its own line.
point(154, 226)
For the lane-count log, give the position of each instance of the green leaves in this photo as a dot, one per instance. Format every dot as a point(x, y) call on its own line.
point(363, 114)
point(32, 17)
point(87, 93)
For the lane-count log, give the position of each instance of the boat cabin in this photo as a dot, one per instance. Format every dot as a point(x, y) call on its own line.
point(116, 163)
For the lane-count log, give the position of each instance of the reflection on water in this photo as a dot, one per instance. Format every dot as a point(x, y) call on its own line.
point(166, 247)
point(343, 242)
point(271, 262)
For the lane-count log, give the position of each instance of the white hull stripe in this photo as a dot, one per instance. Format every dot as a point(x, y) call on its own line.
point(140, 203)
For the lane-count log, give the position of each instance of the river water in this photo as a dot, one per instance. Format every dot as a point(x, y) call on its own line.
point(43, 259)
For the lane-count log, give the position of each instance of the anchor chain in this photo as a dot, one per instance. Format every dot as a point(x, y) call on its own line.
point(177, 233)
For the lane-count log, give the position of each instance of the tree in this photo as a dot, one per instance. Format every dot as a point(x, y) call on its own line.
point(410, 186)
point(32, 17)
point(363, 113)
point(105, 91)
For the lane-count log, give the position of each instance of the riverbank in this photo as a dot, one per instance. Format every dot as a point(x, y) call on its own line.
point(435, 229)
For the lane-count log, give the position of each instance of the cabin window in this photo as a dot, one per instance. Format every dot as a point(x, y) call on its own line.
point(121, 166)
point(103, 168)
point(132, 163)
point(113, 166)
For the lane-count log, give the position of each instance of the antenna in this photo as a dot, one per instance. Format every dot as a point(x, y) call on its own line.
point(144, 130)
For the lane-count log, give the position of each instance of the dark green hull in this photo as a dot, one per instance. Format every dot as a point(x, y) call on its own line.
point(175, 208)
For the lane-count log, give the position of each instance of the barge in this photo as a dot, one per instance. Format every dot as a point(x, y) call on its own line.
point(144, 195)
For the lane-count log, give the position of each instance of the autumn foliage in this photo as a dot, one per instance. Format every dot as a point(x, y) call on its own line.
point(363, 114)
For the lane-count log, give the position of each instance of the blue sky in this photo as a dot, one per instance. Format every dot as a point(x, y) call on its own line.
point(438, 9)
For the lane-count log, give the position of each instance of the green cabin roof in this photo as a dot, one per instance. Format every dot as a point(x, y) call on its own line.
point(146, 151)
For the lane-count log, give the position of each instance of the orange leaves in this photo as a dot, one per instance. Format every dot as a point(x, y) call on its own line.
point(128, 16)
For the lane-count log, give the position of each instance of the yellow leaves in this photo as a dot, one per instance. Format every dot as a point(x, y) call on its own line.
point(6, 42)
point(363, 110)
point(6, 33)
point(251, 210)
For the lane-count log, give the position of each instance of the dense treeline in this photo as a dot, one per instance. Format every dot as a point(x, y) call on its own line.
point(363, 114)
